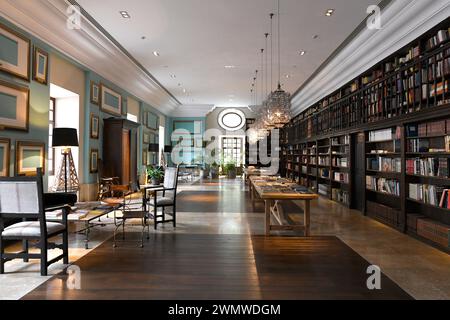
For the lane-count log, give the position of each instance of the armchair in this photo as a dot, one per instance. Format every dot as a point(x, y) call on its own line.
point(22, 197)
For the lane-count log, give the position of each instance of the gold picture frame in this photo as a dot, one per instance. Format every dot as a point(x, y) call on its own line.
point(17, 65)
point(30, 155)
point(15, 106)
point(93, 161)
point(5, 150)
point(40, 66)
point(95, 126)
point(95, 93)
point(110, 101)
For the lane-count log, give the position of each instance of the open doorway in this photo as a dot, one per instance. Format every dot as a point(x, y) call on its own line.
point(64, 112)
point(233, 149)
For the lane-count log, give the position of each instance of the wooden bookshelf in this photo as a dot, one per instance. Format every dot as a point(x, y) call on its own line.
point(407, 91)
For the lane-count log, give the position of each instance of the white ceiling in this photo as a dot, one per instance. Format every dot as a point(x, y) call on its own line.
point(197, 38)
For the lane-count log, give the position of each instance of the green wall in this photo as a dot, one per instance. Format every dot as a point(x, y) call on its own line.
point(39, 105)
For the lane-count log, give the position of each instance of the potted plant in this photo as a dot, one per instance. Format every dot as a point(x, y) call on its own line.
point(230, 169)
point(214, 170)
point(155, 174)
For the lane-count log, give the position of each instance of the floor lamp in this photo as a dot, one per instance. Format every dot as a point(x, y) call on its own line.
point(164, 160)
point(66, 138)
point(154, 148)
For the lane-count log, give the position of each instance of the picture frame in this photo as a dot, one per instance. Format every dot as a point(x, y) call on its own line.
point(30, 155)
point(95, 93)
point(15, 58)
point(110, 101)
point(95, 126)
point(40, 66)
point(93, 161)
point(15, 102)
point(145, 138)
point(5, 149)
point(145, 156)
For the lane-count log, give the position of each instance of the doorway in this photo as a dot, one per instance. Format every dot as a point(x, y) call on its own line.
point(233, 149)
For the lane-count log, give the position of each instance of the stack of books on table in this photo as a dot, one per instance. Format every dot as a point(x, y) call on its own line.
point(54, 215)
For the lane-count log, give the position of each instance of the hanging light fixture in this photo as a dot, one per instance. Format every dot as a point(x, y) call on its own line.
point(279, 101)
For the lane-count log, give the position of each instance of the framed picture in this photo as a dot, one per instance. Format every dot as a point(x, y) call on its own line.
point(93, 161)
point(152, 121)
point(15, 105)
point(145, 138)
point(15, 53)
point(5, 147)
point(111, 101)
point(40, 66)
point(29, 156)
point(95, 124)
point(95, 93)
point(145, 156)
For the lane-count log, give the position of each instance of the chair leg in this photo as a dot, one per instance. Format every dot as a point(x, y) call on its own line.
point(44, 253)
point(25, 249)
point(123, 230)
point(114, 236)
point(164, 214)
point(174, 217)
point(143, 233)
point(2, 262)
point(65, 239)
point(155, 218)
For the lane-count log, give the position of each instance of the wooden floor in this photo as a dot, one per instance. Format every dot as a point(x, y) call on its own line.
point(184, 266)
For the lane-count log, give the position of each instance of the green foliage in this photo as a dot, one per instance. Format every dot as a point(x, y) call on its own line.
point(155, 173)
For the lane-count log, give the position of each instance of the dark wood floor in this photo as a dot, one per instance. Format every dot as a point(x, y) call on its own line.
point(186, 266)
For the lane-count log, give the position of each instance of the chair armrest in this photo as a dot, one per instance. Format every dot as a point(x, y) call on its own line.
point(57, 208)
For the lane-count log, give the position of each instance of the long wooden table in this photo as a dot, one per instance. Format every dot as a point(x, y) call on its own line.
point(271, 190)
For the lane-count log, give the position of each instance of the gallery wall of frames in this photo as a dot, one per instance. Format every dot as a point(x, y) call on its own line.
point(25, 63)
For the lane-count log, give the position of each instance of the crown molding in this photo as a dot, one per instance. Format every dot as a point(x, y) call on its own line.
point(88, 46)
point(402, 22)
point(192, 111)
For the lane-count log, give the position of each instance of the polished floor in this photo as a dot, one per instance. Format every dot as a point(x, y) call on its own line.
point(222, 208)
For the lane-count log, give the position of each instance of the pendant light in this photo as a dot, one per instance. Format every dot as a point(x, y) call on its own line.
point(279, 101)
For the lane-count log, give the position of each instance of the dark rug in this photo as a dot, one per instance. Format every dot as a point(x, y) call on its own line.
point(237, 267)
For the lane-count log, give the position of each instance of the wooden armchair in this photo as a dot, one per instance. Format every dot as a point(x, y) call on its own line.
point(22, 197)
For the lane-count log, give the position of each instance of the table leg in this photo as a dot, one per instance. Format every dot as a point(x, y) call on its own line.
point(252, 195)
point(267, 219)
point(86, 233)
point(307, 217)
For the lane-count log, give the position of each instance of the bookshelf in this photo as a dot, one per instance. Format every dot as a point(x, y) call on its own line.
point(401, 106)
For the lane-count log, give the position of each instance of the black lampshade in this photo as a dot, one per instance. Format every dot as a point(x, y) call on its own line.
point(65, 137)
point(168, 149)
point(153, 147)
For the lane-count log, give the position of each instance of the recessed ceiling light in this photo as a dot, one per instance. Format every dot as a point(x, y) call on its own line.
point(156, 53)
point(329, 12)
point(124, 14)
point(302, 53)
point(184, 91)
point(173, 76)
point(143, 37)
point(315, 36)
point(230, 67)
point(288, 76)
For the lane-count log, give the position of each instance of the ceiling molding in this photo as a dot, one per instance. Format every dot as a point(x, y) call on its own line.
point(89, 46)
point(192, 111)
point(402, 22)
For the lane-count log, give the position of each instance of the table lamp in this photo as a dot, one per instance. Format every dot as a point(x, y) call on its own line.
point(66, 138)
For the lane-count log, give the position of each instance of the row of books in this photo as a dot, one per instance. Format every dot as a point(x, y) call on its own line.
point(340, 162)
point(425, 146)
point(385, 134)
point(341, 177)
point(340, 140)
point(433, 128)
point(389, 186)
point(384, 164)
point(438, 39)
point(430, 167)
point(429, 194)
point(340, 195)
point(324, 161)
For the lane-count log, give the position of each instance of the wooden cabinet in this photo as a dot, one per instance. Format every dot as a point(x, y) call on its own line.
point(120, 149)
